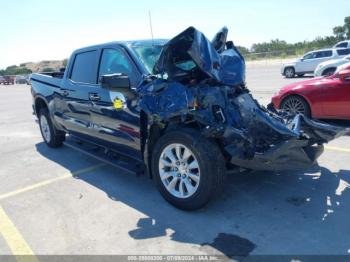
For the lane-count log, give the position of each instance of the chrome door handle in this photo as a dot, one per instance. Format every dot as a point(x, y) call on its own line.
point(94, 97)
point(65, 93)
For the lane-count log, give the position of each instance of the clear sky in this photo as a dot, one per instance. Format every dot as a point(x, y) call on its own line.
point(34, 30)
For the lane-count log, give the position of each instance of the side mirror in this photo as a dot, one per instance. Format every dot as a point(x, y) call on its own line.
point(344, 75)
point(301, 59)
point(117, 80)
point(229, 45)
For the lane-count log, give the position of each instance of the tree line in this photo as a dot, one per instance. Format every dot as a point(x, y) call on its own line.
point(23, 70)
point(15, 70)
point(280, 48)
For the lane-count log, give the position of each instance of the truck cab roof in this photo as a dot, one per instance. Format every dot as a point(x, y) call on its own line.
point(128, 44)
point(141, 51)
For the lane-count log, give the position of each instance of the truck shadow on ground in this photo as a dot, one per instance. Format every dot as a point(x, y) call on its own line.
point(259, 212)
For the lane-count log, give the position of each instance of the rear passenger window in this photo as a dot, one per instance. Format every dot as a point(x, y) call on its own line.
point(85, 68)
point(345, 51)
point(342, 45)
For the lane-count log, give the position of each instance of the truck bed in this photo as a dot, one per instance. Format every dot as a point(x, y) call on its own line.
point(52, 79)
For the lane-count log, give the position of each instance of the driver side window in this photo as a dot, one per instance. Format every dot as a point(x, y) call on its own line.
point(117, 61)
point(309, 56)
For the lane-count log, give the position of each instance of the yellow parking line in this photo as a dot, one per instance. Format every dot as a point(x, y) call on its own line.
point(50, 181)
point(15, 240)
point(340, 149)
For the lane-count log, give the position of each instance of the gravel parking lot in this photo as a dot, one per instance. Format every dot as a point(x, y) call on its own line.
point(58, 201)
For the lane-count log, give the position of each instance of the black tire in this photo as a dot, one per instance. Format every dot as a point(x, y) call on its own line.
point(211, 165)
point(289, 72)
point(298, 100)
point(56, 136)
point(328, 72)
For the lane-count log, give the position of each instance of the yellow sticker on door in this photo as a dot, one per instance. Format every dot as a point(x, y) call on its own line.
point(118, 104)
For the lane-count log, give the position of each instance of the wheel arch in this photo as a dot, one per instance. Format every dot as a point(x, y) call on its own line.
point(328, 69)
point(39, 103)
point(151, 131)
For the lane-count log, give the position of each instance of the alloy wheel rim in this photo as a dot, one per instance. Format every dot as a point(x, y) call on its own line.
point(179, 170)
point(294, 106)
point(45, 129)
point(289, 73)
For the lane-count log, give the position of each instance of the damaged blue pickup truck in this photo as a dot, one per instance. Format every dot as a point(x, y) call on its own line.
point(178, 110)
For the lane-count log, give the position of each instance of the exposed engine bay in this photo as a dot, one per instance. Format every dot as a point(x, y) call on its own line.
point(202, 83)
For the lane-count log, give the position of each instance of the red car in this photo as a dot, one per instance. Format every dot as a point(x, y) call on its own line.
point(322, 97)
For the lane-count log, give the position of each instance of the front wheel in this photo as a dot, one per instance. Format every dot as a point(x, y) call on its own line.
point(289, 72)
point(188, 169)
point(296, 105)
point(51, 136)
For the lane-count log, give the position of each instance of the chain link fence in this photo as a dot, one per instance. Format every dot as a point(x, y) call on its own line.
point(274, 55)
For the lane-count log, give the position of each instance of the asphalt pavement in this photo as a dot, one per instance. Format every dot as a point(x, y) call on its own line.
point(59, 201)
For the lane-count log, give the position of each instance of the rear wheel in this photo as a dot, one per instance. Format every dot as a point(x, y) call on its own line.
point(51, 136)
point(296, 105)
point(289, 72)
point(188, 169)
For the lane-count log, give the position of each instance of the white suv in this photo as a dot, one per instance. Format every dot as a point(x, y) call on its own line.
point(308, 63)
point(329, 67)
point(342, 44)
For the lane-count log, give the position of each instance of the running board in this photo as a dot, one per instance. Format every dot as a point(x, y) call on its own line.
point(105, 155)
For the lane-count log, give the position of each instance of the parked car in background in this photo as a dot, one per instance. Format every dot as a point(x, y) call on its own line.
point(329, 67)
point(7, 80)
point(342, 44)
point(28, 79)
point(308, 63)
point(322, 97)
point(21, 79)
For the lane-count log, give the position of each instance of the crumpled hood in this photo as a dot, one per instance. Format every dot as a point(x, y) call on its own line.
point(205, 90)
point(192, 47)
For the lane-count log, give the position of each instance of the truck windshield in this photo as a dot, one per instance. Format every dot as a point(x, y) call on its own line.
point(148, 55)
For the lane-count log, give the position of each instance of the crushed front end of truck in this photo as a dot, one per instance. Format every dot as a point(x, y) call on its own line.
point(203, 86)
